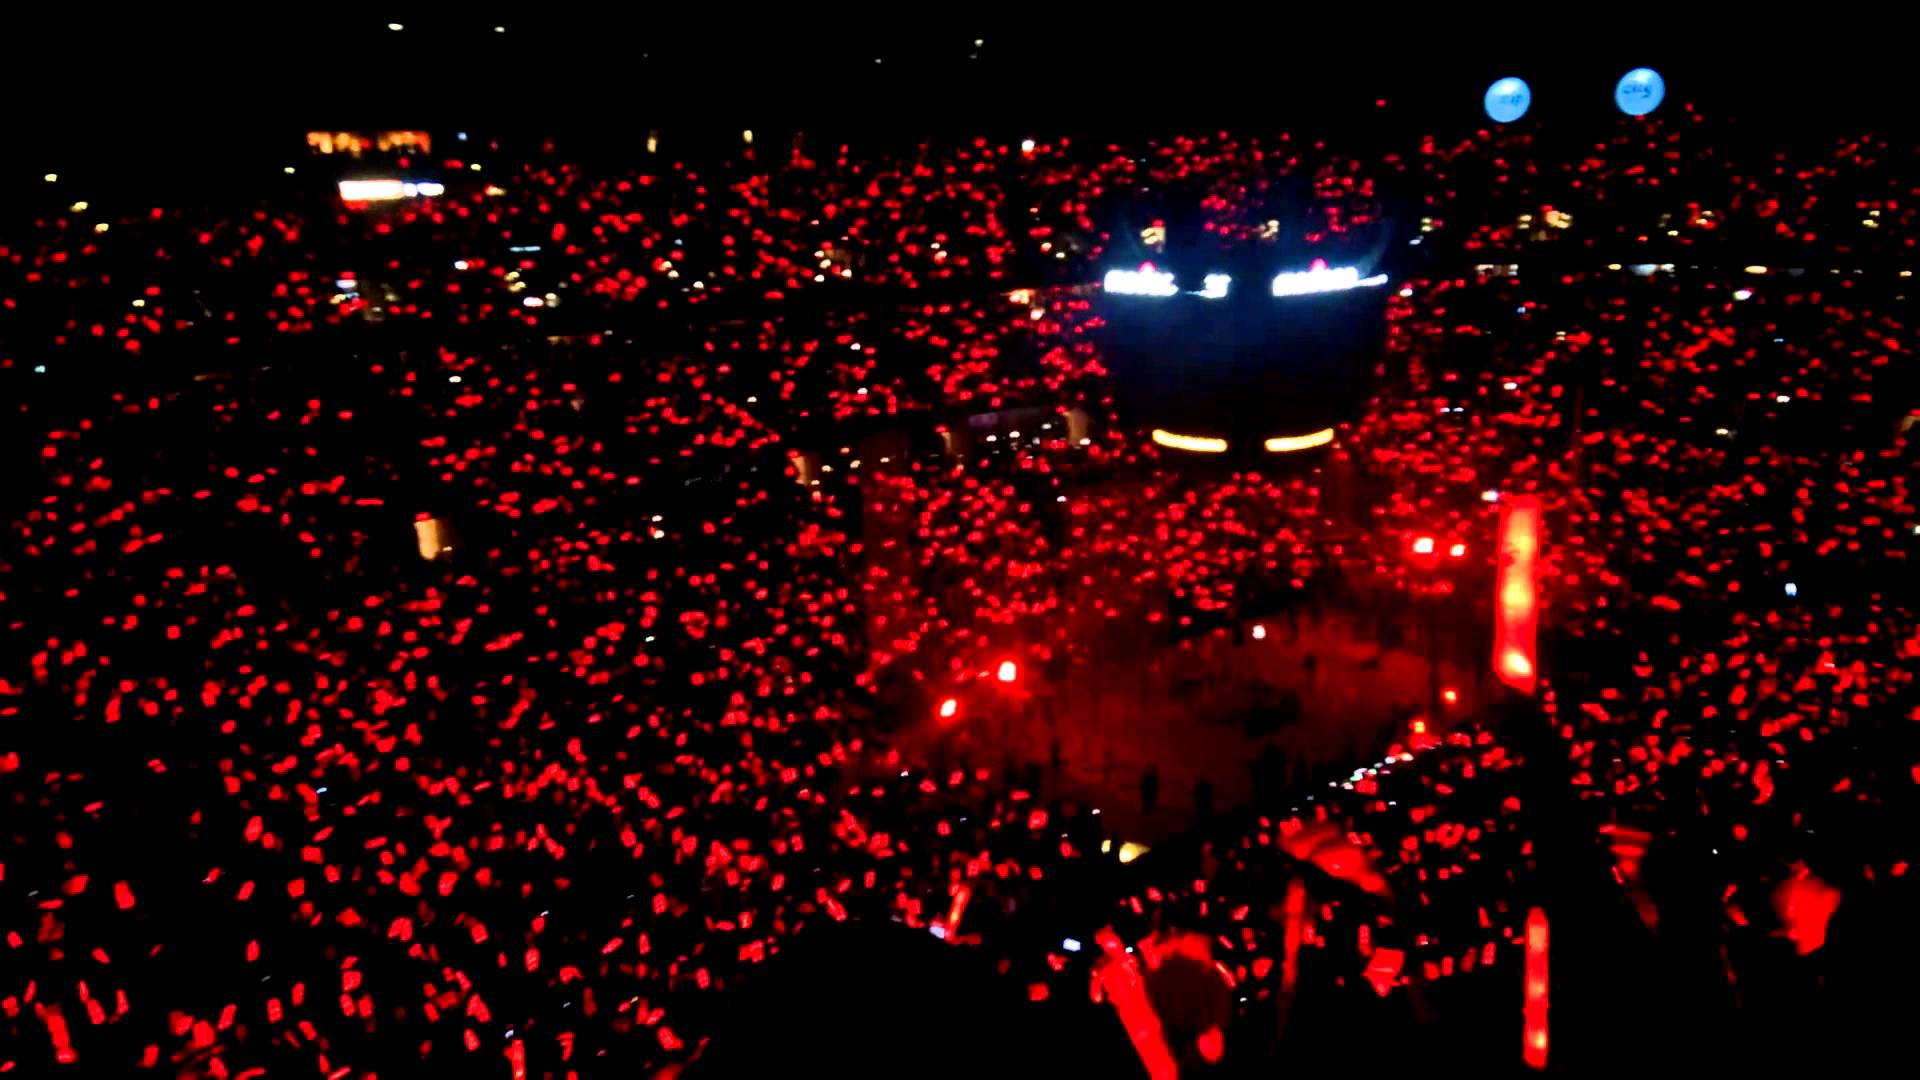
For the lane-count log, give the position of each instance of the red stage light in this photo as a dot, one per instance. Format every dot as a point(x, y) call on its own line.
point(1008, 672)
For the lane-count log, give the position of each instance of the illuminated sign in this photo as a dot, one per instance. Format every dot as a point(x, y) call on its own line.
point(1507, 100)
point(387, 190)
point(1640, 91)
point(1198, 444)
point(1287, 444)
point(354, 143)
point(1145, 281)
point(1323, 279)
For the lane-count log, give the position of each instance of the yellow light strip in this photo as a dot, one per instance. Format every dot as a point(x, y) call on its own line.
point(1196, 443)
point(1287, 444)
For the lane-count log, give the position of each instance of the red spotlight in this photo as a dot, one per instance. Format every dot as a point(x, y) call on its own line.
point(1450, 696)
point(1423, 546)
point(1457, 550)
point(1008, 672)
point(949, 708)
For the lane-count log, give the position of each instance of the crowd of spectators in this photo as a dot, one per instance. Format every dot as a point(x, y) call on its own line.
point(468, 634)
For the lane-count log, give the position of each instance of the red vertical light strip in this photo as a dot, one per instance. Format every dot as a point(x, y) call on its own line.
point(57, 1031)
point(962, 893)
point(1534, 1045)
point(1296, 910)
point(1516, 598)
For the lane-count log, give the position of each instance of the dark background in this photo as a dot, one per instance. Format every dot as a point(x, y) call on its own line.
point(93, 83)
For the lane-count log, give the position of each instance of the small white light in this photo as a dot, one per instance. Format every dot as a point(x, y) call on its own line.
point(347, 284)
point(1491, 495)
point(453, 378)
point(1742, 294)
point(460, 264)
point(1259, 632)
point(1026, 146)
point(1782, 398)
point(534, 301)
point(1510, 385)
point(288, 169)
point(51, 178)
point(1215, 286)
point(395, 27)
point(1070, 944)
point(39, 369)
point(1792, 589)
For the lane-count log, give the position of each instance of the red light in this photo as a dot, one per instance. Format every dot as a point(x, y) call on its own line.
point(1423, 546)
point(1212, 1045)
point(949, 708)
point(1008, 672)
point(1457, 550)
point(1805, 904)
point(1450, 696)
point(1259, 632)
point(1383, 970)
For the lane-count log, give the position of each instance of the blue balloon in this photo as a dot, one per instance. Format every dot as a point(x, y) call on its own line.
point(1507, 99)
point(1640, 91)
